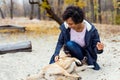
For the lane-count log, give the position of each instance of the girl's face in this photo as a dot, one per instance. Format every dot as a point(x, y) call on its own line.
point(72, 25)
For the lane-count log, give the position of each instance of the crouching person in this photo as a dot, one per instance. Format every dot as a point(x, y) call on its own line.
point(80, 37)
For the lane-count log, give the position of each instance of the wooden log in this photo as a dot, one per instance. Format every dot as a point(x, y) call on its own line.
point(16, 47)
point(14, 27)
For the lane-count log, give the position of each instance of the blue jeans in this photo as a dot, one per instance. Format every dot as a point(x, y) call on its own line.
point(74, 49)
point(77, 51)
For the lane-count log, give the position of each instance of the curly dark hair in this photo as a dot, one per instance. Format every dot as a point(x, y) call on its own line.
point(75, 12)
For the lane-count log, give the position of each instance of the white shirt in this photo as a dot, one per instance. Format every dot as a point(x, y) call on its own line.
point(78, 37)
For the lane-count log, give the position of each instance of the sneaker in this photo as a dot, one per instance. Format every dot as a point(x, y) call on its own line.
point(96, 66)
point(90, 66)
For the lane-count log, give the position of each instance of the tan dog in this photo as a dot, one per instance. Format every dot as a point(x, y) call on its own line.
point(63, 69)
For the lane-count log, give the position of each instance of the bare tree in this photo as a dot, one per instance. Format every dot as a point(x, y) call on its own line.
point(11, 9)
point(59, 10)
point(32, 11)
point(99, 11)
point(118, 6)
point(25, 13)
point(39, 15)
point(2, 14)
point(27, 8)
point(92, 10)
point(45, 4)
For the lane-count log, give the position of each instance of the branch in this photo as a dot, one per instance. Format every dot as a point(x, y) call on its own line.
point(32, 2)
point(45, 4)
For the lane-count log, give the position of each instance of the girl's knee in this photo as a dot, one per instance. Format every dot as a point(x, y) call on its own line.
point(70, 43)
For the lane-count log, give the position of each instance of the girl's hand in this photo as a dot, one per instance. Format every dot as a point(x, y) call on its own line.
point(56, 58)
point(100, 46)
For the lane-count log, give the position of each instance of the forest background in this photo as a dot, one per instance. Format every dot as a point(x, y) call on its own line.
point(97, 11)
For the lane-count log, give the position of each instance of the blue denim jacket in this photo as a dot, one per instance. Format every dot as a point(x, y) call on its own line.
point(91, 39)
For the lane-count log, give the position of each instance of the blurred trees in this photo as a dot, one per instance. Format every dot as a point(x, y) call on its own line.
point(2, 13)
point(118, 12)
point(92, 11)
point(45, 5)
point(32, 10)
point(11, 9)
point(99, 11)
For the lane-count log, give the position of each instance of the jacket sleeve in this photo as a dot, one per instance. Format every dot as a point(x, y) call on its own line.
point(59, 44)
point(95, 39)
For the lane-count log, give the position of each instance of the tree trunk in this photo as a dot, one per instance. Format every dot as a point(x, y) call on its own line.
point(49, 11)
point(16, 47)
point(39, 12)
point(11, 10)
point(59, 8)
point(2, 14)
point(53, 15)
point(24, 7)
point(32, 11)
point(118, 6)
point(99, 11)
point(92, 10)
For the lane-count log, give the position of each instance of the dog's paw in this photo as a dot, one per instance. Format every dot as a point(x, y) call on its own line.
point(78, 63)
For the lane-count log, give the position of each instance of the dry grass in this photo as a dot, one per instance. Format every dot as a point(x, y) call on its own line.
point(107, 31)
point(36, 27)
